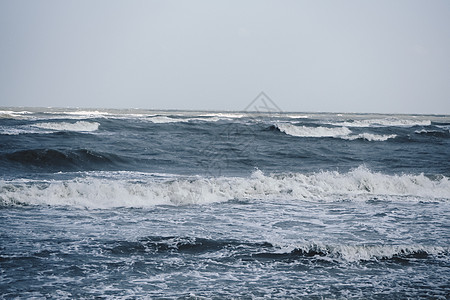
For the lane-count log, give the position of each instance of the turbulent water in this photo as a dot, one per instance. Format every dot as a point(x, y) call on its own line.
point(173, 204)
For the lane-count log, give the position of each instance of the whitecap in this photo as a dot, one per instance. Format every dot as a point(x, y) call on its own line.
point(370, 137)
point(164, 119)
point(304, 131)
point(84, 113)
point(10, 130)
point(224, 115)
point(80, 126)
point(387, 122)
point(357, 253)
point(295, 116)
point(9, 114)
point(334, 132)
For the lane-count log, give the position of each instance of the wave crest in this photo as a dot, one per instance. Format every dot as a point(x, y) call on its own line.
point(304, 131)
point(356, 253)
point(80, 126)
point(434, 133)
point(270, 251)
point(370, 137)
point(334, 132)
point(387, 122)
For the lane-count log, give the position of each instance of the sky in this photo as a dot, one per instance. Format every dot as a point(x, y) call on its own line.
point(307, 56)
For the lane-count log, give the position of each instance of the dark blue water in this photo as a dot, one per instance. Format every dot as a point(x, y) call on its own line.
point(171, 204)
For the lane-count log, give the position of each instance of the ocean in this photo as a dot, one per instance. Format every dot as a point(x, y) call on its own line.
point(132, 204)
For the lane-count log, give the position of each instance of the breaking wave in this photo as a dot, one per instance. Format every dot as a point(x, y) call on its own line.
point(334, 132)
point(355, 253)
point(434, 133)
point(80, 126)
point(9, 114)
point(304, 131)
point(296, 116)
point(85, 113)
point(165, 119)
point(100, 192)
point(388, 122)
point(370, 137)
point(273, 251)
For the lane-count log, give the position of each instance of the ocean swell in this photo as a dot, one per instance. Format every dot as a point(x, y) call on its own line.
point(53, 159)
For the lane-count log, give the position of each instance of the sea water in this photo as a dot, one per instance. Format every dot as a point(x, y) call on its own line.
point(183, 204)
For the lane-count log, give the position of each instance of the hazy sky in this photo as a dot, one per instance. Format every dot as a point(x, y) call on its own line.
point(337, 56)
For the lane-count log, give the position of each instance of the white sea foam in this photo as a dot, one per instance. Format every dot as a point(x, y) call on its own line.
point(304, 131)
point(164, 119)
point(358, 253)
point(100, 192)
point(425, 131)
point(295, 116)
point(370, 137)
point(71, 115)
point(9, 130)
point(6, 114)
point(211, 119)
point(224, 115)
point(387, 122)
point(85, 113)
point(9, 114)
point(81, 126)
point(446, 127)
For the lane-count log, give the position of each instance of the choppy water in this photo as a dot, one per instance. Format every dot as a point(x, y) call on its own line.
point(172, 204)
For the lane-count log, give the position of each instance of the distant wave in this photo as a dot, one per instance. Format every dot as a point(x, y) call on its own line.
point(435, 133)
point(296, 116)
point(53, 114)
point(81, 126)
point(334, 132)
point(9, 114)
point(167, 119)
point(95, 192)
point(387, 122)
point(85, 113)
point(74, 115)
point(224, 115)
point(164, 119)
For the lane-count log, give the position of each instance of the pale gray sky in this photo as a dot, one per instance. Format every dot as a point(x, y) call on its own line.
point(336, 56)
